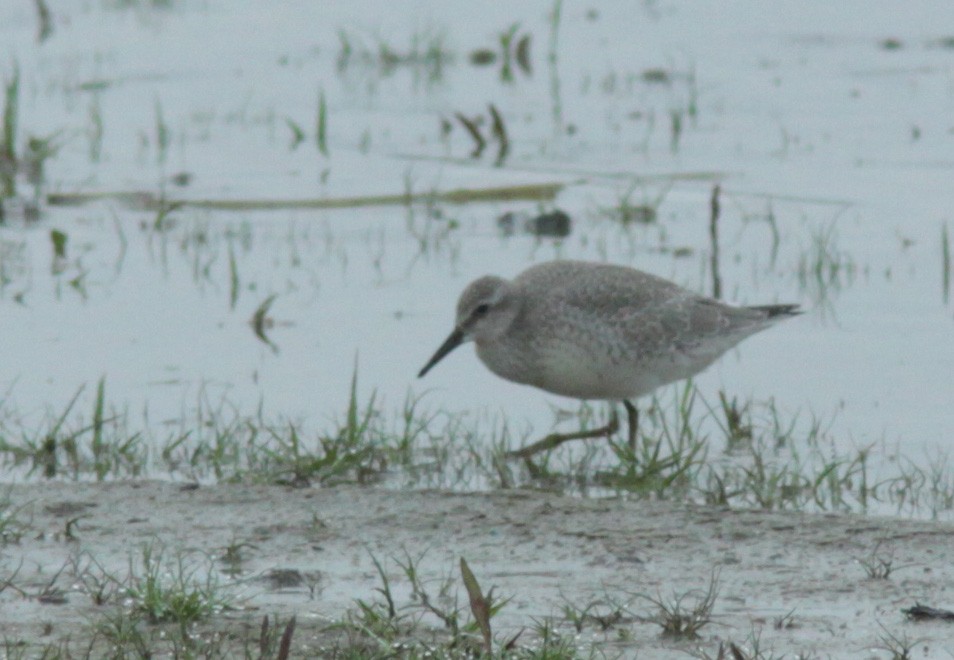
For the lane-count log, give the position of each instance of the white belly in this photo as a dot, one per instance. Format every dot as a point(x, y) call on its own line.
point(569, 369)
point(582, 375)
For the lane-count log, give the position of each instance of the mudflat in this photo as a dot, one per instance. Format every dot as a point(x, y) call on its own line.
point(825, 585)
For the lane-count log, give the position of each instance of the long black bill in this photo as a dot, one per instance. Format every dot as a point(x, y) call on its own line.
point(456, 339)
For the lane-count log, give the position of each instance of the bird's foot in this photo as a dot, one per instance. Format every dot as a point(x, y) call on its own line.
point(554, 440)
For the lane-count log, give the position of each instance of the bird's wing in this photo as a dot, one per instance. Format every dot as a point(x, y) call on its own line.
point(688, 325)
point(602, 289)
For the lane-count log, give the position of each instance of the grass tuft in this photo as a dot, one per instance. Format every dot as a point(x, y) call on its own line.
point(683, 615)
point(172, 591)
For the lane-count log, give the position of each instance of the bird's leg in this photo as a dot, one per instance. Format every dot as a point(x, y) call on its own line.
point(554, 440)
point(633, 414)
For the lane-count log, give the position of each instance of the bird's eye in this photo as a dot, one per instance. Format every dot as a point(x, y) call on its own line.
point(481, 309)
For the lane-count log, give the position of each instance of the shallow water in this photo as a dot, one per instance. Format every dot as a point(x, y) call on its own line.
point(831, 140)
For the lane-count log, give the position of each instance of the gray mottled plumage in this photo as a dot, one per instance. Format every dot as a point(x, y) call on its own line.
point(598, 331)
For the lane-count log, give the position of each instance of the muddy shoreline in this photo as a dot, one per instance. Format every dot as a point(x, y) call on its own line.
point(798, 581)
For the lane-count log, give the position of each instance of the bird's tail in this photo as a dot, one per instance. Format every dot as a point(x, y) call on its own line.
point(775, 311)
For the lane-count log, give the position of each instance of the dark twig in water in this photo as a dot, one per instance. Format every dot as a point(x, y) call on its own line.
point(261, 322)
point(474, 130)
point(522, 54)
point(46, 21)
point(499, 131)
point(926, 613)
point(714, 238)
point(556, 103)
point(945, 264)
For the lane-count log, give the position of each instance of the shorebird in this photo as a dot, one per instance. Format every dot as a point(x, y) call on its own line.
point(596, 331)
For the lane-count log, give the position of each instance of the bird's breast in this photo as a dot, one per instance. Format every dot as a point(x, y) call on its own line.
point(571, 368)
